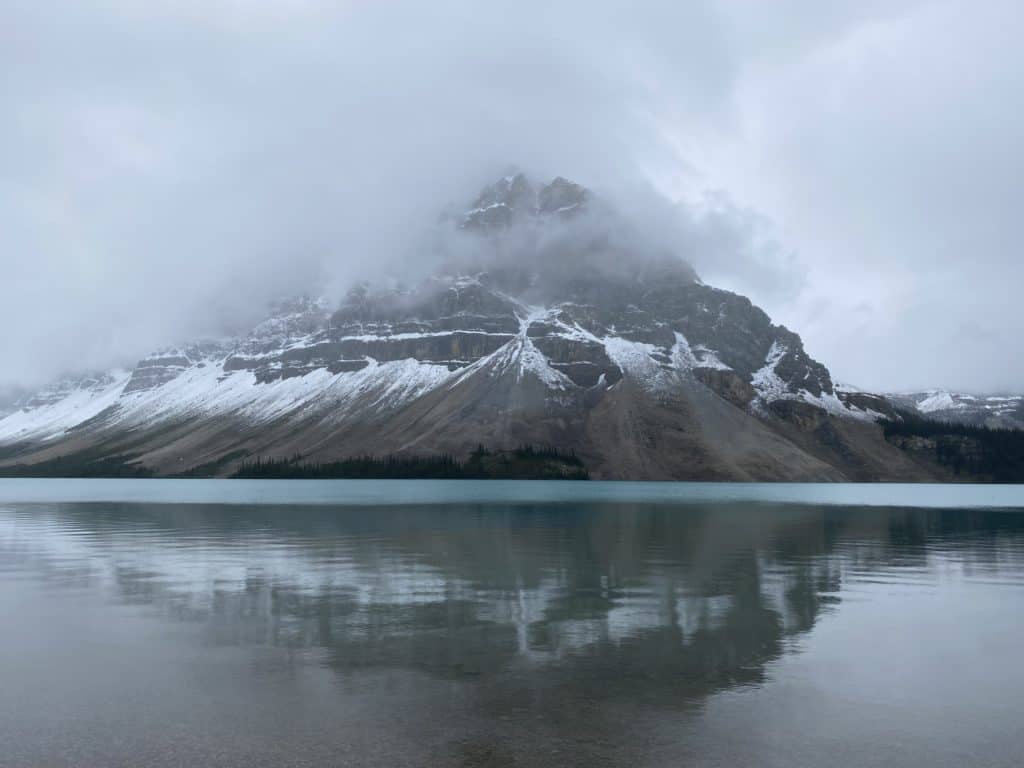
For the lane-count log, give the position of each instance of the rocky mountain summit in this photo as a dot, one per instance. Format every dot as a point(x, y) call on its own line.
point(553, 324)
point(513, 198)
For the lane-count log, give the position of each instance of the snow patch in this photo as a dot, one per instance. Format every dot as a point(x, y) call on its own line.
point(529, 359)
point(687, 358)
point(634, 359)
point(766, 382)
point(208, 391)
point(519, 354)
point(939, 401)
point(771, 387)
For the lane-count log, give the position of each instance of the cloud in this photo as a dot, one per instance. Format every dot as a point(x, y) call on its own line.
point(171, 166)
point(173, 163)
point(886, 151)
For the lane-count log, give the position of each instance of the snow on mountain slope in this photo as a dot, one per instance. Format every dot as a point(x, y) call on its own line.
point(766, 381)
point(210, 392)
point(204, 388)
point(770, 388)
point(1000, 411)
point(188, 385)
point(940, 401)
point(522, 356)
point(50, 413)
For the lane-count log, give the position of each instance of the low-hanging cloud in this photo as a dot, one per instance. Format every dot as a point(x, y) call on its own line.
point(170, 167)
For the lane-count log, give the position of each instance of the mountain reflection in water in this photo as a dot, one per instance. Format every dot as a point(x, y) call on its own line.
point(451, 635)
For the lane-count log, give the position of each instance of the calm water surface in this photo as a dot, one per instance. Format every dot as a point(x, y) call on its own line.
point(527, 624)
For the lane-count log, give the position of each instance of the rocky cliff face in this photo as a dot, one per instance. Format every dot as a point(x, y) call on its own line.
point(554, 329)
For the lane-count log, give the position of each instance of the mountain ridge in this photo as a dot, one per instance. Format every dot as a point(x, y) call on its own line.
point(555, 330)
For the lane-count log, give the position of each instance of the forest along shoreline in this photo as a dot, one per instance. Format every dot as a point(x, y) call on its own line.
point(952, 452)
point(526, 462)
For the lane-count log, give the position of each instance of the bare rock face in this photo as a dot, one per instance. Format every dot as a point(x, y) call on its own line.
point(514, 199)
point(870, 403)
point(558, 329)
point(561, 198)
point(504, 202)
point(728, 385)
point(158, 369)
point(805, 416)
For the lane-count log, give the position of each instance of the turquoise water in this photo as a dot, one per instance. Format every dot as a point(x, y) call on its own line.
point(361, 492)
point(391, 623)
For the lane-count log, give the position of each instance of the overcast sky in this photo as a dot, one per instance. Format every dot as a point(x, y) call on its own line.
point(854, 167)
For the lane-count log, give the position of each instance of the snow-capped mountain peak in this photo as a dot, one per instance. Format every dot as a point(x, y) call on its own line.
point(620, 355)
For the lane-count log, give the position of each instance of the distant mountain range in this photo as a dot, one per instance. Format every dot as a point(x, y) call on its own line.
point(996, 411)
point(554, 325)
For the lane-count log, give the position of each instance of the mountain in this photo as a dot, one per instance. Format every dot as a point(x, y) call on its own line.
point(996, 411)
point(550, 321)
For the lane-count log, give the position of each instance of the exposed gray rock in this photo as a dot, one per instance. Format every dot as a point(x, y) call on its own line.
point(561, 197)
point(729, 385)
point(500, 205)
point(156, 370)
point(870, 403)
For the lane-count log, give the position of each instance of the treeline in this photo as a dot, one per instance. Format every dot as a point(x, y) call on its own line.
point(369, 467)
point(80, 465)
point(524, 463)
point(973, 451)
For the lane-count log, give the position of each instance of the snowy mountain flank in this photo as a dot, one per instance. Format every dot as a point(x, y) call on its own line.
point(557, 329)
point(995, 411)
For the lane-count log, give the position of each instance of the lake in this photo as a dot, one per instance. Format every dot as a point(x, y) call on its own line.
point(462, 623)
